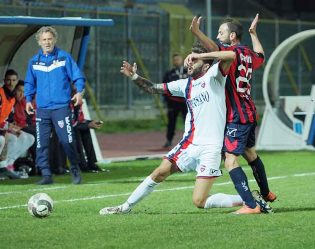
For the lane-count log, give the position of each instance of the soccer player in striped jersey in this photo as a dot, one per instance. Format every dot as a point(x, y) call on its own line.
point(200, 147)
point(241, 111)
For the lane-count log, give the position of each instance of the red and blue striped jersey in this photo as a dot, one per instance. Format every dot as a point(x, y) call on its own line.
point(240, 105)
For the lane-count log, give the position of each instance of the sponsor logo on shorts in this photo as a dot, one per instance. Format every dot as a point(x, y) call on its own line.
point(69, 130)
point(61, 124)
point(231, 132)
point(215, 172)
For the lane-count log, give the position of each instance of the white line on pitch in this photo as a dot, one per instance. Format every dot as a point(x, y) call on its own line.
point(157, 190)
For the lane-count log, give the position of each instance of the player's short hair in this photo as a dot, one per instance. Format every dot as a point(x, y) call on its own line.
point(46, 29)
point(20, 83)
point(234, 26)
point(10, 72)
point(198, 48)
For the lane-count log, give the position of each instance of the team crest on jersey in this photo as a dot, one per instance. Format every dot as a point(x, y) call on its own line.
point(61, 124)
point(231, 132)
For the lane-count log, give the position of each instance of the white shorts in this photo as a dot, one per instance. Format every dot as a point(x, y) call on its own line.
point(204, 159)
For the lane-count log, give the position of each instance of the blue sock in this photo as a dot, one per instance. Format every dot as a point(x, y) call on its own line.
point(241, 185)
point(260, 175)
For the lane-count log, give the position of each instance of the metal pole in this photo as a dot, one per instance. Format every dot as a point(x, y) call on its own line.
point(209, 18)
point(97, 44)
point(128, 37)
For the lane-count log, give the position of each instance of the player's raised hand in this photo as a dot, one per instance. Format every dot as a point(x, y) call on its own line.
point(195, 24)
point(253, 26)
point(189, 59)
point(127, 69)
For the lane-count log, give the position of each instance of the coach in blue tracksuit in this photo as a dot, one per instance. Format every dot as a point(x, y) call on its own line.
point(49, 76)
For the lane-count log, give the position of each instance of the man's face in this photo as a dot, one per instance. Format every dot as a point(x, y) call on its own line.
point(177, 61)
point(19, 93)
point(10, 81)
point(195, 68)
point(47, 42)
point(224, 34)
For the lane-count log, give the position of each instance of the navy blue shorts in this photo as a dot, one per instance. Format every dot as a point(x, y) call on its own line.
point(239, 136)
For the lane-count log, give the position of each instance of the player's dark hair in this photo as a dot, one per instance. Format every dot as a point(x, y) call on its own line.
point(198, 48)
point(10, 72)
point(20, 83)
point(234, 26)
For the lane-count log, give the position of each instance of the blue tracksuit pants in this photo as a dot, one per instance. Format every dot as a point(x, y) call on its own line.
point(61, 120)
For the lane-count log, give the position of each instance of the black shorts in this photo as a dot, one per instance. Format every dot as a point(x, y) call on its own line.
point(239, 136)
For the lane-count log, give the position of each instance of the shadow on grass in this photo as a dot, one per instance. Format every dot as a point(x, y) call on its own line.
point(288, 210)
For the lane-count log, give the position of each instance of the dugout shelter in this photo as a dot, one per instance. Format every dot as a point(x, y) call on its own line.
point(289, 121)
point(18, 44)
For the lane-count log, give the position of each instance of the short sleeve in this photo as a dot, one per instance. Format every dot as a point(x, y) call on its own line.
point(176, 88)
point(258, 59)
point(217, 72)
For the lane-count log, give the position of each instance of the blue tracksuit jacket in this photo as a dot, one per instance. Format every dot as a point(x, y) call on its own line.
point(49, 77)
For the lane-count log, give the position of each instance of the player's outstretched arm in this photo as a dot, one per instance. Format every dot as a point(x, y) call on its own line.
point(225, 57)
point(208, 43)
point(257, 47)
point(145, 84)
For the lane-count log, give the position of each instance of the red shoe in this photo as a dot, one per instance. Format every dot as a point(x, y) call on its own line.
point(247, 210)
point(271, 197)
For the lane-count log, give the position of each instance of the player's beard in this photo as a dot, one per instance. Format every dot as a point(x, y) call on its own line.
point(196, 72)
point(227, 41)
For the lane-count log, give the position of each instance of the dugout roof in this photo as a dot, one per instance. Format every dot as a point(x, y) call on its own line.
point(18, 44)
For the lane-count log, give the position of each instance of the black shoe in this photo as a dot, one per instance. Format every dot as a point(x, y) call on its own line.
point(10, 174)
point(45, 180)
point(76, 177)
point(95, 169)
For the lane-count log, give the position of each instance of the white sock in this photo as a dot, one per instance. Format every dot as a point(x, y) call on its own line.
point(144, 189)
point(223, 201)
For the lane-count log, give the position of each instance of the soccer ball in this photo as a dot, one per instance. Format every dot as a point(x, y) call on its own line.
point(40, 205)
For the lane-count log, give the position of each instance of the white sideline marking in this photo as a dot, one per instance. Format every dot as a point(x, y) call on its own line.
point(157, 190)
point(305, 174)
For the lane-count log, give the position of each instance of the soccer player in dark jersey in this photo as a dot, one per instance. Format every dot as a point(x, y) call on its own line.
point(241, 111)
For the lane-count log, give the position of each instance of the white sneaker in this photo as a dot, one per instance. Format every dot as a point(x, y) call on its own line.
point(114, 210)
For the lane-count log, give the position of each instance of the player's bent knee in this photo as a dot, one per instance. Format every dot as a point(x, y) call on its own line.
point(199, 202)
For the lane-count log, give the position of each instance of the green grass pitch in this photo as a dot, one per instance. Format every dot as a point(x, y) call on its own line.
point(165, 219)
